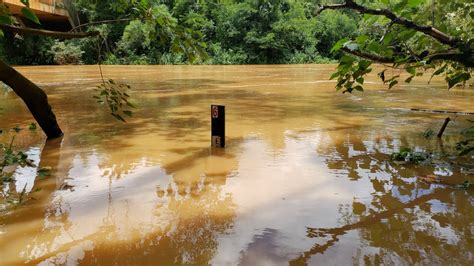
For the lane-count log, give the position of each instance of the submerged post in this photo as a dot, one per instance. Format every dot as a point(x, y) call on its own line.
point(441, 131)
point(218, 126)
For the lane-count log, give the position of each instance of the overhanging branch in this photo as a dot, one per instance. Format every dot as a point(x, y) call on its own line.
point(465, 59)
point(102, 22)
point(371, 57)
point(428, 30)
point(48, 33)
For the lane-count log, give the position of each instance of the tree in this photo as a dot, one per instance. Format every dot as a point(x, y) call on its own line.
point(414, 35)
point(164, 28)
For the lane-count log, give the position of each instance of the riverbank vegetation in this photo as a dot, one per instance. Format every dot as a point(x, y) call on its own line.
point(236, 32)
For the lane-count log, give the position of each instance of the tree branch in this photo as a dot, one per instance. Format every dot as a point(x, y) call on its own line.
point(372, 57)
point(48, 33)
point(34, 97)
point(102, 22)
point(428, 30)
point(465, 59)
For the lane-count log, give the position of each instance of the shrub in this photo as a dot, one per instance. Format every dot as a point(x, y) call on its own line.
point(220, 56)
point(66, 53)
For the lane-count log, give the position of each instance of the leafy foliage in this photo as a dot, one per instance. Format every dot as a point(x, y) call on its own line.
point(183, 31)
point(409, 156)
point(350, 74)
point(10, 157)
point(114, 95)
point(32, 126)
point(466, 146)
point(66, 53)
point(414, 35)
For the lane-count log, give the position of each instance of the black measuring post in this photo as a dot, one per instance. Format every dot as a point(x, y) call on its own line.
point(218, 126)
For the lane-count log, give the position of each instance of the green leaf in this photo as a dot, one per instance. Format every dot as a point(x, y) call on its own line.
point(374, 47)
point(361, 39)
point(364, 64)
point(414, 3)
point(346, 60)
point(458, 79)
point(128, 113)
point(392, 83)
point(5, 19)
point(131, 105)
point(359, 88)
point(411, 70)
point(118, 117)
point(388, 38)
point(339, 45)
point(30, 15)
point(406, 34)
point(400, 5)
point(335, 75)
point(44, 172)
point(438, 71)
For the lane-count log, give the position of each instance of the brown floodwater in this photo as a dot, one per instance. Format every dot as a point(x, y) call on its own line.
point(306, 177)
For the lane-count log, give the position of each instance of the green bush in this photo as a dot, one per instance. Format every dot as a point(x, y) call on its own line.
point(219, 56)
point(171, 59)
point(135, 39)
point(66, 53)
point(237, 32)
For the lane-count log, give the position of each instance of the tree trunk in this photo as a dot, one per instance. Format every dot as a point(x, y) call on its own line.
point(34, 97)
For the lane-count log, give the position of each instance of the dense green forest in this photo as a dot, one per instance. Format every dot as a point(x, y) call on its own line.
point(235, 32)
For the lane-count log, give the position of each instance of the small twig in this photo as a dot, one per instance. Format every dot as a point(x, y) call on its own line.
point(11, 143)
point(22, 193)
point(372, 57)
point(102, 22)
point(99, 62)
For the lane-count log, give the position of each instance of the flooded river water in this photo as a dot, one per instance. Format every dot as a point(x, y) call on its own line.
point(306, 177)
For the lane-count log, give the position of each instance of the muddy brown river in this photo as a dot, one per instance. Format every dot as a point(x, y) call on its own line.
point(306, 178)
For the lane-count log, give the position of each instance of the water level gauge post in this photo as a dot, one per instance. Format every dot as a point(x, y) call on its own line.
point(218, 126)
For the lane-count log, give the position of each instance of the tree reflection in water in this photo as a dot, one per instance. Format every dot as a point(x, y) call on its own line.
point(406, 220)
